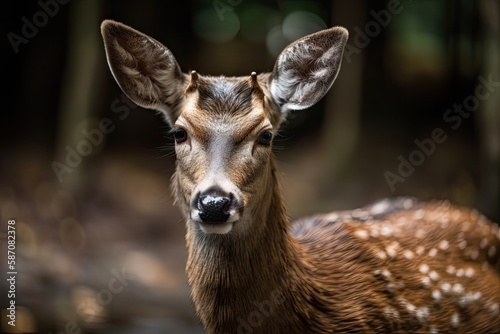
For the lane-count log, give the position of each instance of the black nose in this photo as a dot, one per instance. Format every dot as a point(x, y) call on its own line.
point(214, 207)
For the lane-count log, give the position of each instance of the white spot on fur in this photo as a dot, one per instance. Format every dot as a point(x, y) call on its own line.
point(422, 313)
point(446, 287)
point(409, 254)
point(433, 330)
point(381, 255)
point(364, 215)
point(469, 272)
point(455, 320)
point(436, 295)
point(474, 254)
point(468, 299)
point(390, 287)
point(386, 273)
point(445, 222)
point(434, 276)
point(379, 207)
point(332, 216)
point(494, 308)
point(408, 203)
point(386, 231)
point(410, 307)
point(419, 234)
point(391, 313)
point(374, 232)
point(444, 245)
point(356, 213)
point(460, 272)
point(390, 252)
point(424, 269)
point(432, 252)
point(462, 244)
point(426, 282)
point(362, 234)
point(458, 288)
point(391, 249)
point(420, 250)
point(450, 269)
point(483, 243)
point(464, 301)
point(419, 214)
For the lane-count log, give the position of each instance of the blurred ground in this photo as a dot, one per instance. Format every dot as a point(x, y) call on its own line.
point(120, 234)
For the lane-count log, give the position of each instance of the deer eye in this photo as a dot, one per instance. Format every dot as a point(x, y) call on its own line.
point(265, 138)
point(180, 135)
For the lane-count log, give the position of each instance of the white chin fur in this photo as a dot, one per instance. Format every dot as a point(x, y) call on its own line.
point(216, 228)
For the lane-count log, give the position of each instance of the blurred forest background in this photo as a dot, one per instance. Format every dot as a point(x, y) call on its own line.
point(100, 246)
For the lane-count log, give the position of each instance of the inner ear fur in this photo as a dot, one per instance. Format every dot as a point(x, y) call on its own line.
point(306, 69)
point(146, 70)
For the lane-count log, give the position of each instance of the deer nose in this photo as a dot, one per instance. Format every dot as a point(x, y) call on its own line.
point(214, 206)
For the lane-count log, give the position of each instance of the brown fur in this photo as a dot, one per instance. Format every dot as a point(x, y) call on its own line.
point(331, 280)
point(398, 266)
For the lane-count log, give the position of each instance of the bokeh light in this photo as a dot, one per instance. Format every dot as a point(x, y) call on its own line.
point(216, 26)
point(301, 23)
point(265, 17)
point(295, 25)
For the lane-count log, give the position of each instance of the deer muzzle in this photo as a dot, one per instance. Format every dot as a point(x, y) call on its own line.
point(215, 208)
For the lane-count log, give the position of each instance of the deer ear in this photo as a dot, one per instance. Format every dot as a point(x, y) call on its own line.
point(306, 69)
point(145, 70)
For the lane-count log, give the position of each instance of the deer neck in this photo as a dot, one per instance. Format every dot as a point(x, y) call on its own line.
point(241, 283)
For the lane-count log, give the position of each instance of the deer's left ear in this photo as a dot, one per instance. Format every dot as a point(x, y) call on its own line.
point(306, 69)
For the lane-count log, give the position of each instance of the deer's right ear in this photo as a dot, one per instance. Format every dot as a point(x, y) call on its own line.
point(145, 70)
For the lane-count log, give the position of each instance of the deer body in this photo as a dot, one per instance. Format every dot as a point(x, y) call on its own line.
point(397, 266)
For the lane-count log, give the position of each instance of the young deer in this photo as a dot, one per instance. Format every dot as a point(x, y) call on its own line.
point(396, 266)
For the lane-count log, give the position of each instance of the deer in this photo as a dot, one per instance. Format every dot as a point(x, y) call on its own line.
point(398, 265)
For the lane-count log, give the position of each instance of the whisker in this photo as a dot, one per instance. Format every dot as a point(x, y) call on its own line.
point(167, 151)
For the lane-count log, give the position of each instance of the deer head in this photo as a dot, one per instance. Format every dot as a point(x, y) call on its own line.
point(223, 126)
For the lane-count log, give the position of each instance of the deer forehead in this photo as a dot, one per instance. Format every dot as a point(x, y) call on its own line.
point(226, 107)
